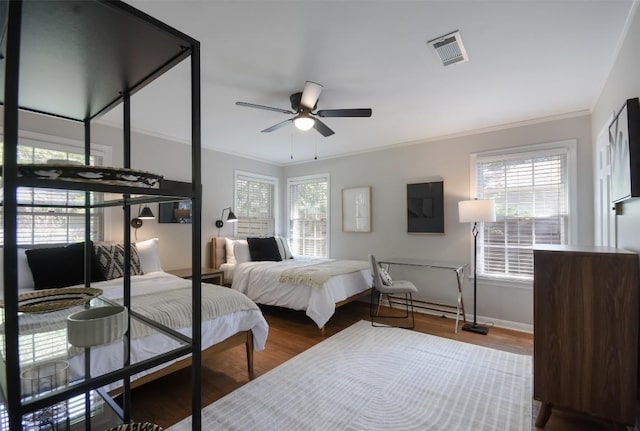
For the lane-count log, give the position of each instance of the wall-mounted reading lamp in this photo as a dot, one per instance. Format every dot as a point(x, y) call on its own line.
point(143, 214)
point(231, 218)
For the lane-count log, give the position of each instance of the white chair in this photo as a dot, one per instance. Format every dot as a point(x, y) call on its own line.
point(390, 287)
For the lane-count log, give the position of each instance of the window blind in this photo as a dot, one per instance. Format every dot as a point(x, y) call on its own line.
point(69, 412)
point(53, 224)
point(531, 193)
point(308, 211)
point(254, 206)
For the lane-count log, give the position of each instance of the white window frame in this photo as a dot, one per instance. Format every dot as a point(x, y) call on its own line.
point(569, 147)
point(605, 214)
point(267, 179)
point(57, 143)
point(310, 178)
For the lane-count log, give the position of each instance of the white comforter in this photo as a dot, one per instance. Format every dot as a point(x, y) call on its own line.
point(260, 282)
point(110, 357)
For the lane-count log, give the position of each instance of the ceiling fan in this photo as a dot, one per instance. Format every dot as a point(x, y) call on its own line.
point(302, 106)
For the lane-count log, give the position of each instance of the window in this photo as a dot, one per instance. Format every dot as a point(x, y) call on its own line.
point(54, 224)
point(532, 192)
point(255, 204)
point(308, 215)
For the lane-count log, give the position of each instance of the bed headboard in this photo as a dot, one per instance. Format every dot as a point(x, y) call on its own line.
point(218, 251)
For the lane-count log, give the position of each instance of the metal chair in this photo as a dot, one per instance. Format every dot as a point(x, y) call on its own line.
point(397, 287)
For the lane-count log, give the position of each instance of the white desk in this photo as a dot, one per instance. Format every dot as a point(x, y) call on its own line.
point(457, 268)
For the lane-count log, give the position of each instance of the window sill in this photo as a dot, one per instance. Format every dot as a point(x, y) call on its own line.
point(504, 282)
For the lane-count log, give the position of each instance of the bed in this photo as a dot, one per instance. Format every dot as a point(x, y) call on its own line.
point(291, 282)
point(228, 319)
point(165, 298)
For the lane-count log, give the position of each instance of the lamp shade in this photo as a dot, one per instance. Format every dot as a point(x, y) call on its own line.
point(231, 217)
point(146, 214)
point(476, 210)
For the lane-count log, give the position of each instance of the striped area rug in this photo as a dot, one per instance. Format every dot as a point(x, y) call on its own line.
point(366, 378)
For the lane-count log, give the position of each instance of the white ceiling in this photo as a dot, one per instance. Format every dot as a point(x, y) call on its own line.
point(527, 60)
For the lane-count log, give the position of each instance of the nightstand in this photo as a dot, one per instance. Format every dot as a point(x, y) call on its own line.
point(209, 275)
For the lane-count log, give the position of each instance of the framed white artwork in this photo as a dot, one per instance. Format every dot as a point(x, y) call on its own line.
point(356, 209)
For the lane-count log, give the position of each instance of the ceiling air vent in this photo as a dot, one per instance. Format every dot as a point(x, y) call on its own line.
point(449, 48)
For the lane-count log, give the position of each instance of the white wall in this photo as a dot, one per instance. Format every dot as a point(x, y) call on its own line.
point(623, 83)
point(388, 172)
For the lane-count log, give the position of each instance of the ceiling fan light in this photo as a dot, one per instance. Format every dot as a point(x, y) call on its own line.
point(304, 122)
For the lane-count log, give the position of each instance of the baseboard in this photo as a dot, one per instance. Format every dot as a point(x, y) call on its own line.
point(507, 324)
point(482, 320)
point(488, 321)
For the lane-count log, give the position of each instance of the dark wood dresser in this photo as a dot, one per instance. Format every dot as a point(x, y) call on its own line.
point(585, 345)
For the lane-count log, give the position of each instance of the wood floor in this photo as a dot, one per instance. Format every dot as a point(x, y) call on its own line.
point(167, 400)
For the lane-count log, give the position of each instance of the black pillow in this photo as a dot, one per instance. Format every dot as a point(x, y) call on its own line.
point(264, 249)
point(54, 267)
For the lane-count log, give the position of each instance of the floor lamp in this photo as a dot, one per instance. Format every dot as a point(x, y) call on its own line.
point(475, 211)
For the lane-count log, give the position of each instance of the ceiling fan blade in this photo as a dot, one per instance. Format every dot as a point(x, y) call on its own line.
point(310, 94)
point(266, 108)
point(277, 126)
point(365, 112)
point(322, 128)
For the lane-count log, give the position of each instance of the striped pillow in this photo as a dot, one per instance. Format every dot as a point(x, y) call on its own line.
point(283, 248)
point(386, 278)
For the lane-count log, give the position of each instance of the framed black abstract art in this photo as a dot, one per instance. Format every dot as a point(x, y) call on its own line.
point(425, 207)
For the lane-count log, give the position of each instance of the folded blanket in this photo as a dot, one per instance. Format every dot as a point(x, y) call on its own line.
point(317, 275)
point(173, 308)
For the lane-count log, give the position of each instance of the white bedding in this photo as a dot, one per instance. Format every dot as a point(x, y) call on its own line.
point(109, 357)
point(260, 282)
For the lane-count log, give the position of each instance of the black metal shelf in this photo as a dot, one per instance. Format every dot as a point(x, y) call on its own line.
point(168, 189)
point(76, 60)
point(93, 53)
point(108, 203)
point(97, 382)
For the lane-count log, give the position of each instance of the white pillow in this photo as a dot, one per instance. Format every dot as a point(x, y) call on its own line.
point(237, 251)
point(241, 251)
point(231, 258)
point(25, 278)
point(149, 252)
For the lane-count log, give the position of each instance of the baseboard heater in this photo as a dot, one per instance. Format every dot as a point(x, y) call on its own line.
point(435, 308)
